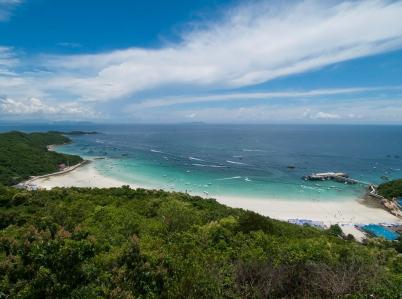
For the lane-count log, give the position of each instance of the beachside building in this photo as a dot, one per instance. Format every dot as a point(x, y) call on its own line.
point(62, 166)
point(31, 187)
point(20, 186)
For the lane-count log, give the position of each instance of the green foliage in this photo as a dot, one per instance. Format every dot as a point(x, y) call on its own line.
point(398, 244)
point(251, 221)
point(23, 155)
point(391, 189)
point(124, 243)
point(335, 230)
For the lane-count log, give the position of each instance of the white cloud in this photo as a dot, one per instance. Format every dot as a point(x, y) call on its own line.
point(251, 44)
point(19, 87)
point(351, 111)
point(222, 97)
point(7, 7)
point(191, 115)
point(7, 57)
point(35, 107)
point(325, 115)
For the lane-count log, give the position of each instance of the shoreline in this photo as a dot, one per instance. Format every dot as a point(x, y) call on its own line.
point(61, 172)
point(347, 212)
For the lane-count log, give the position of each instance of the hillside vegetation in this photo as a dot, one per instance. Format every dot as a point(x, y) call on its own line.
point(124, 243)
point(391, 189)
point(23, 155)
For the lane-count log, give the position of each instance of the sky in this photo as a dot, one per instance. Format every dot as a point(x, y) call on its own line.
point(201, 61)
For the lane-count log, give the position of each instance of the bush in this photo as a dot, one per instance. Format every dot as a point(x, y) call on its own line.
point(391, 189)
point(250, 221)
point(335, 230)
point(124, 243)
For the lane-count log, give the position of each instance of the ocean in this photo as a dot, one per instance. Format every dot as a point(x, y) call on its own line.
point(248, 161)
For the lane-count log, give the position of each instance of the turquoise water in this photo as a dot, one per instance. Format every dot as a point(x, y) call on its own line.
point(380, 231)
point(242, 160)
point(246, 161)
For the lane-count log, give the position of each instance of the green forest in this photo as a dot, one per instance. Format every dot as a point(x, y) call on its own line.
point(23, 155)
point(125, 243)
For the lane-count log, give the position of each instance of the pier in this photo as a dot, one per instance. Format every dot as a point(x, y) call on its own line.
point(339, 177)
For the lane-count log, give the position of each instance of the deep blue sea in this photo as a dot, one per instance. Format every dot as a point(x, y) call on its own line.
point(253, 161)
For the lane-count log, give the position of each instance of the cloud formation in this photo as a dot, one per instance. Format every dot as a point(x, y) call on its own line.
point(251, 44)
point(352, 111)
point(325, 115)
point(7, 7)
point(33, 107)
point(7, 59)
point(264, 96)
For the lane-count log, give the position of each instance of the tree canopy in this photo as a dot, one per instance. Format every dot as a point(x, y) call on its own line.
point(124, 243)
point(23, 155)
point(391, 189)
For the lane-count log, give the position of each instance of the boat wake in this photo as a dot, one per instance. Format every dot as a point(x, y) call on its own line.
point(234, 162)
point(196, 159)
point(231, 178)
point(252, 150)
point(208, 165)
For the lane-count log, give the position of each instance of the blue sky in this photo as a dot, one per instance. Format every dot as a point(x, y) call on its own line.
point(213, 61)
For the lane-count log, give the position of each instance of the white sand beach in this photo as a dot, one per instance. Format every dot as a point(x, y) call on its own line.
point(84, 176)
point(346, 212)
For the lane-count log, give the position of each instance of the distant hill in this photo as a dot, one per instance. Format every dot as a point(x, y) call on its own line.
point(23, 155)
point(76, 132)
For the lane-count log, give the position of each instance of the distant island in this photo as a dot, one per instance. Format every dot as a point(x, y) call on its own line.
point(76, 132)
point(125, 243)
